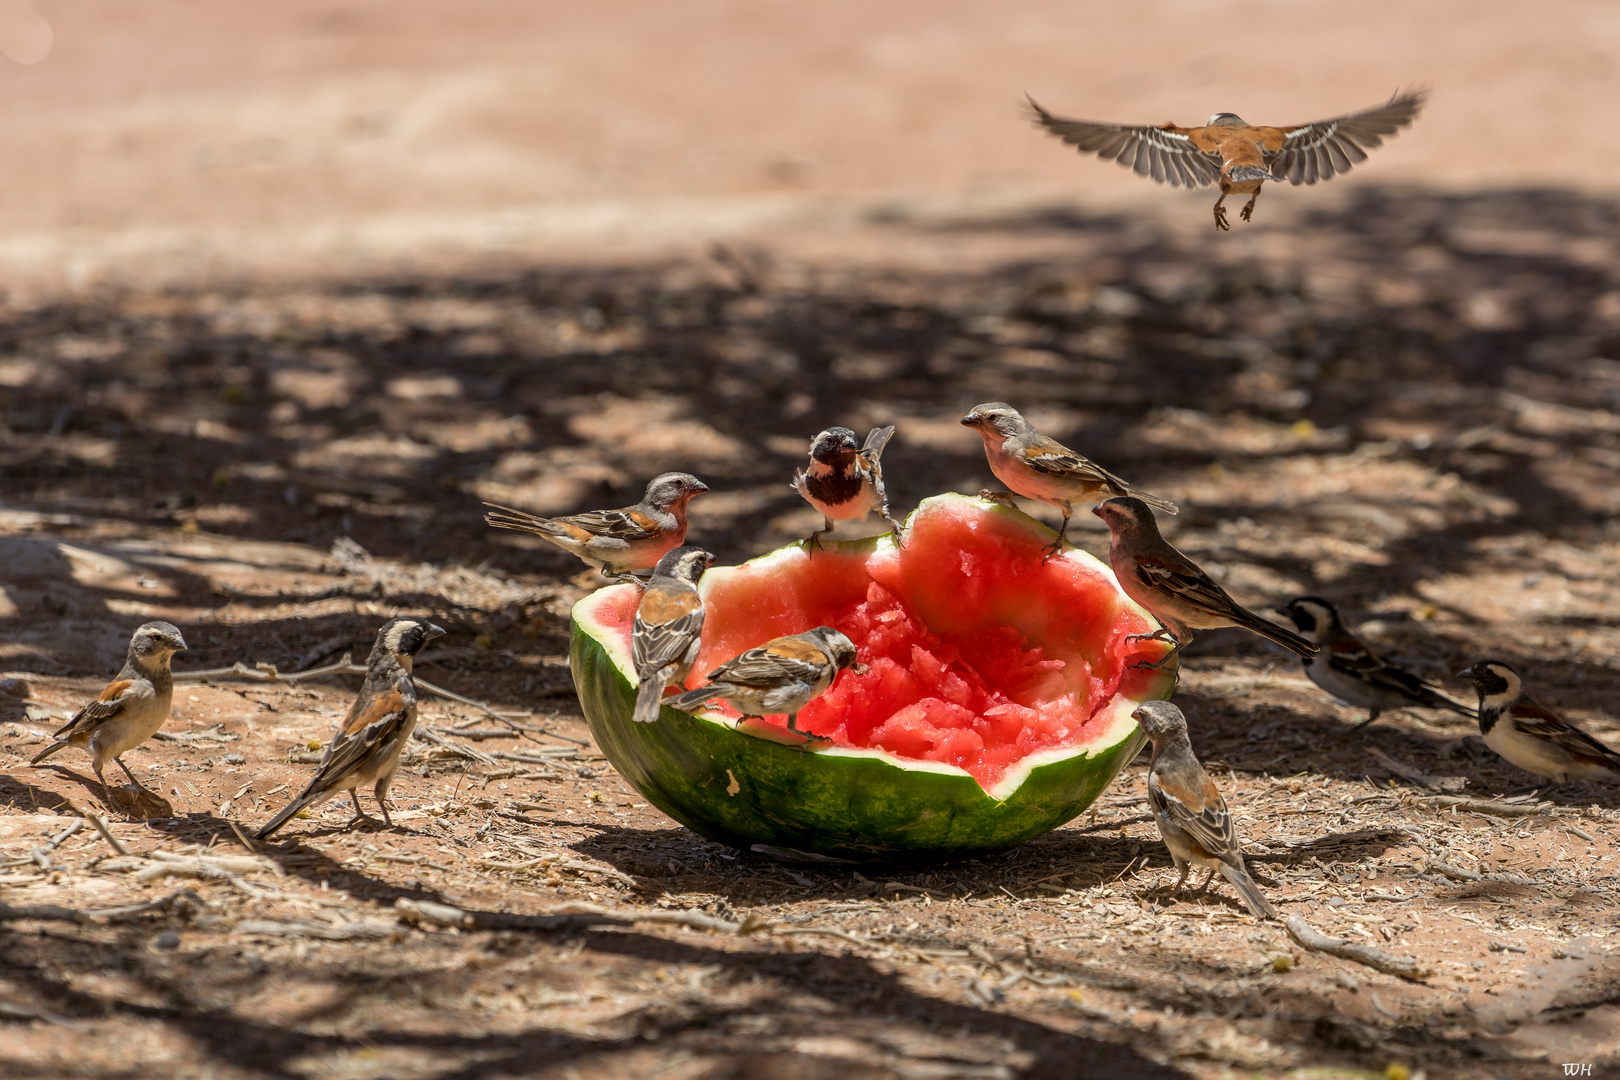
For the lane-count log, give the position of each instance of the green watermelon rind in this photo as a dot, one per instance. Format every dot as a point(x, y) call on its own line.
point(753, 789)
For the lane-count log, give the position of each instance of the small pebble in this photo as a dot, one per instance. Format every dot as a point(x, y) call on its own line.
point(235, 759)
point(1336, 901)
point(167, 940)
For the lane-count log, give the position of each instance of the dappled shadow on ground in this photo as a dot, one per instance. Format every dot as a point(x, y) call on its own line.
point(1406, 404)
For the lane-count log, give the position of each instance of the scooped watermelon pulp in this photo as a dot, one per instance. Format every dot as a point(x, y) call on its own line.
point(986, 666)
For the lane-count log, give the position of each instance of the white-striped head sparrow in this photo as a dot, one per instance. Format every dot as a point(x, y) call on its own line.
point(1532, 736)
point(843, 481)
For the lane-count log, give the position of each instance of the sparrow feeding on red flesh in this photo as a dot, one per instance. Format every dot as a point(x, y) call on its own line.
point(844, 483)
point(1189, 809)
point(1237, 155)
point(132, 707)
point(367, 747)
point(616, 542)
point(779, 677)
point(1173, 588)
point(1043, 469)
point(1355, 674)
point(665, 635)
point(1532, 736)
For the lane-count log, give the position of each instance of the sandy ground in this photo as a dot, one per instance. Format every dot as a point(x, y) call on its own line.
point(291, 289)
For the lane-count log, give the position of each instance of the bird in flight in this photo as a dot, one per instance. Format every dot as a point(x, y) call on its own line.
point(1237, 155)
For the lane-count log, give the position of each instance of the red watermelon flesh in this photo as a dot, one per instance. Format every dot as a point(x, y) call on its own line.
point(978, 653)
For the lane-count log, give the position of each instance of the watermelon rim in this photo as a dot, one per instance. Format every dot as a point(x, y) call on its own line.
point(841, 803)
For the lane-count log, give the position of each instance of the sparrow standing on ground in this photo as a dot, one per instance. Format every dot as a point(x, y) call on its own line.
point(132, 707)
point(1043, 469)
point(779, 677)
point(843, 483)
point(1190, 812)
point(1174, 588)
point(1237, 155)
point(367, 747)
point(616, 542)
point(1353, 673)
point(1531, 736)
point(666, 633)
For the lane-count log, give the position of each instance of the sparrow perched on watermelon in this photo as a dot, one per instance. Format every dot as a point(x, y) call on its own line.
point(1238, 155)
point(1190, 812)
point(1347, 669)
point(666, 633)
point(132, 707)
point(367, 746)
point(1532, 736)
point(843, 482)
point(616, 542)
point(779, 677)
point(1175, 589)
point(1043, 469)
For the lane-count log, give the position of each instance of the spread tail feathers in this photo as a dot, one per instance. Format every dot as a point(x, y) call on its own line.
point(1256, 900)
point(48, 751)
point(1245, 173)
point(1272, 632)
point(649, 695)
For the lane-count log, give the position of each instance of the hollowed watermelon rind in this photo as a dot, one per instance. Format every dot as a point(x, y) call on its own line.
point(751, 790)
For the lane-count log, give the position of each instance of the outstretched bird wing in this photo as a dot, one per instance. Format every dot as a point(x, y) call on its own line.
point(1306, 153)
point(1167, 154)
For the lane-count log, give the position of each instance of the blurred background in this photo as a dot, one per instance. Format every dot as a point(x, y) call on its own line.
point(178, 137)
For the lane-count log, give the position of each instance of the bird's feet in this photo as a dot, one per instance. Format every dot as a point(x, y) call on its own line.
point(1052, 550)
point(1247, 213)
point(899, 537)
point(1220, 219)
point(808, 737)
point(1003, 497)
point(1160, 634)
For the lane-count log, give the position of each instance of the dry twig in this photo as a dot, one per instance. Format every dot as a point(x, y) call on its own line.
point(1404, 967)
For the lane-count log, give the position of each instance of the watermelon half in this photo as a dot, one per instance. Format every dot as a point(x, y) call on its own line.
point(996, 706)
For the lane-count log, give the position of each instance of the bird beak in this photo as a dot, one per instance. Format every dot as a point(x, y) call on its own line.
point(1098, 511)
point(859, 669)
point(1466, 673)
point(970, 420)
point(700, 488)
point(181, 646)
point(434, 631)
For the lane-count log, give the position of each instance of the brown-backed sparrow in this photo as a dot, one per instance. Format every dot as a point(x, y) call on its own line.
point(367, 747)
point(779, 677)
point(844, 483)
point(1043, 469)
point(131, 709)
point(1532, 736)
point(1351, 672)
point(1237, 155)
point(616, 542)
point(666, 633)
point(1190, 812)
point(1174, 588)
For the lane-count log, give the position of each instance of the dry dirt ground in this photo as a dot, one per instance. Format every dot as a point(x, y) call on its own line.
point(1407, 403)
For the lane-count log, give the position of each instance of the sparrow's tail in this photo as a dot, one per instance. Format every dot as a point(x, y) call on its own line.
point(504, 517)
point(1256, 900)
point(1272, 632)
point(48, 751)
point(693, 698)
point(307, 799)
point(1164, 506)
point(1435, 700)
point(649, 695)
point(1244, 173)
